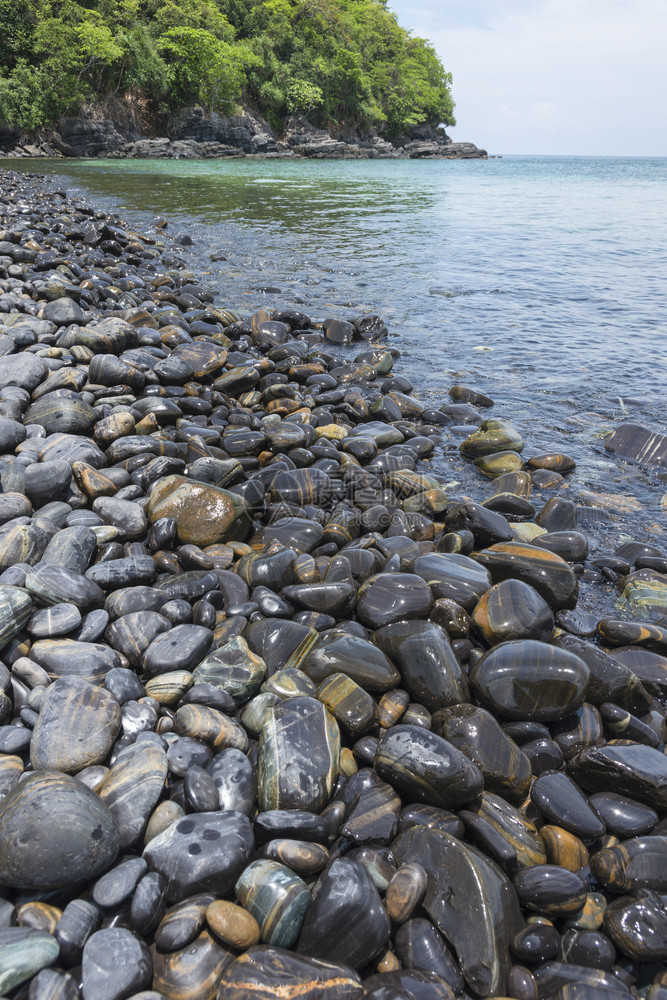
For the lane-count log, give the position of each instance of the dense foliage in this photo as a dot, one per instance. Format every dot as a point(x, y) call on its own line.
point(346, 63)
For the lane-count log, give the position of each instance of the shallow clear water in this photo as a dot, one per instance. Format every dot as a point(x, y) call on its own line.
point(540, 280)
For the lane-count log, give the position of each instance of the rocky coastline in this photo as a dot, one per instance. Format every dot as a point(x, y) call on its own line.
point(197, 134)
point(280, 714)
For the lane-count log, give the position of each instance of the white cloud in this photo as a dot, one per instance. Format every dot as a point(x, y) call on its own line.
point(552, 76)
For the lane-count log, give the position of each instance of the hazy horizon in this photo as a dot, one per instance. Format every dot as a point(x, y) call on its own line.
point(551, 77)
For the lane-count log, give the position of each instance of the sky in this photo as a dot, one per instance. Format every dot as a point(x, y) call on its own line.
point(570, 77)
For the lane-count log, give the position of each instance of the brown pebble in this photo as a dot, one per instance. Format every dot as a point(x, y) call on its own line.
point(232, 924)
point(563, 848)
point(39, 916)
point(405, 891)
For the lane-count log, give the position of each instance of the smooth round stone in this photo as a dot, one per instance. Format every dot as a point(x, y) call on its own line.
point(345, 918)
point(405, 892)
point(453, 576)
point(76, 726)
point(79, 919)
point(569, 545)
point(550, 890)
point(372, 808)
point(41, 916)
point(419, 945)
point(115, 964)
point(475, 732)
point(512, 825)
point(527, 679)
point(207, 725)
point(66, 657)
point(636, 771)
point(353, 707)
point(336, 599)
point(640, 863)
point(536, 943)
point(193, 972)
point(50, 983)
point(204, 851)
point(201, 793)
point(71, 833)
point(51, 584)
point(169, 688)
point(427, 768)
point(23, 953)
point(276, 898)
point(364, 663)
point(492, 436)
point(162, 816)
point(185, 752)
point(512, 610)
point(545, 571)
point(183, 922)
point(148, 903)
point(559, 979)
point(560, 801)
point(118, 884)
point(638, 928)
point(623, 816)
point(430, 672)
point(469, 900)
point(302, 857)
point(204, 514)
point(62, 414)
point(590, 948)
point(299, 754)
point(578, 731)
point(133, 788)
point(182, 646)
point(234, 668)
point(53, 622)
point(392, 597)
point(233, 925)
point(260, 971)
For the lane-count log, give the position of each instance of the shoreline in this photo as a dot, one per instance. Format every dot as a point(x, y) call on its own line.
point(276, 638)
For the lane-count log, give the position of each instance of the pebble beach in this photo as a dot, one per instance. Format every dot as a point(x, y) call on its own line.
point(280, 713)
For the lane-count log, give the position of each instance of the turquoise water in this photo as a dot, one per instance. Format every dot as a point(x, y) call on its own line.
point(540, 280)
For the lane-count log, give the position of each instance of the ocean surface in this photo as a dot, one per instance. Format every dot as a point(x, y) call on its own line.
point(539, 280)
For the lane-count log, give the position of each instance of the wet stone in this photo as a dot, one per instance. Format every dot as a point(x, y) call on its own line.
point(204, 514)
point(639, 863)
point(71, 833)
point(624, 817)
point(261, 971)
point(115, 964)
point(560, 801)
point(205, 851)
point(527, 679)
point(277, 898)
point(429, 669)
point(512, 610)
point(550, 890)
point(76, 727)
point(345, 917)
point(387, 598)
point(426, 767)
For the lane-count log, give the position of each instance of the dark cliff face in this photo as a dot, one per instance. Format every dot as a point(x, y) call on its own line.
point(195, 133)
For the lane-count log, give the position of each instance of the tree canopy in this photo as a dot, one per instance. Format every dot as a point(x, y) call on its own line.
point(348, 64)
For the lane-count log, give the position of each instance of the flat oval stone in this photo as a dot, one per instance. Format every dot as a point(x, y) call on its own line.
point(76, 726)
point(204, 514)
point(23, 953)
point(50, 623)
point(183, 922)
point(51, 584)
point(299, 754)
point(16, 607)
point(277, 898)
point(420, 946)
point(512, 610)
point(208, 725)
point(545, 571)
point(427, 768)
point(405, 891)
point(469, 900)
point(636, 771)
point(261, 972)
point(67, 657)
point(204, 851)
point(453, 576)
point(559, 800)
point(232, 924)
point(364, 663)
point(71, 833)
point(551, 890)
point(624, 817)
point(527, 679)
point(115, 964)
point(345, 917)
point(302, 857)
point(429, 669)
point(391, 597)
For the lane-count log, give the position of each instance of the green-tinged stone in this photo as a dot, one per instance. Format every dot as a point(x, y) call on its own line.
point(204, 514)
point(492, 436)
point(645, 589)
point(234, 668)
point(276, 898)
point(501, 463)
point(299, 756)
point(23, 953)
point(15, 609)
